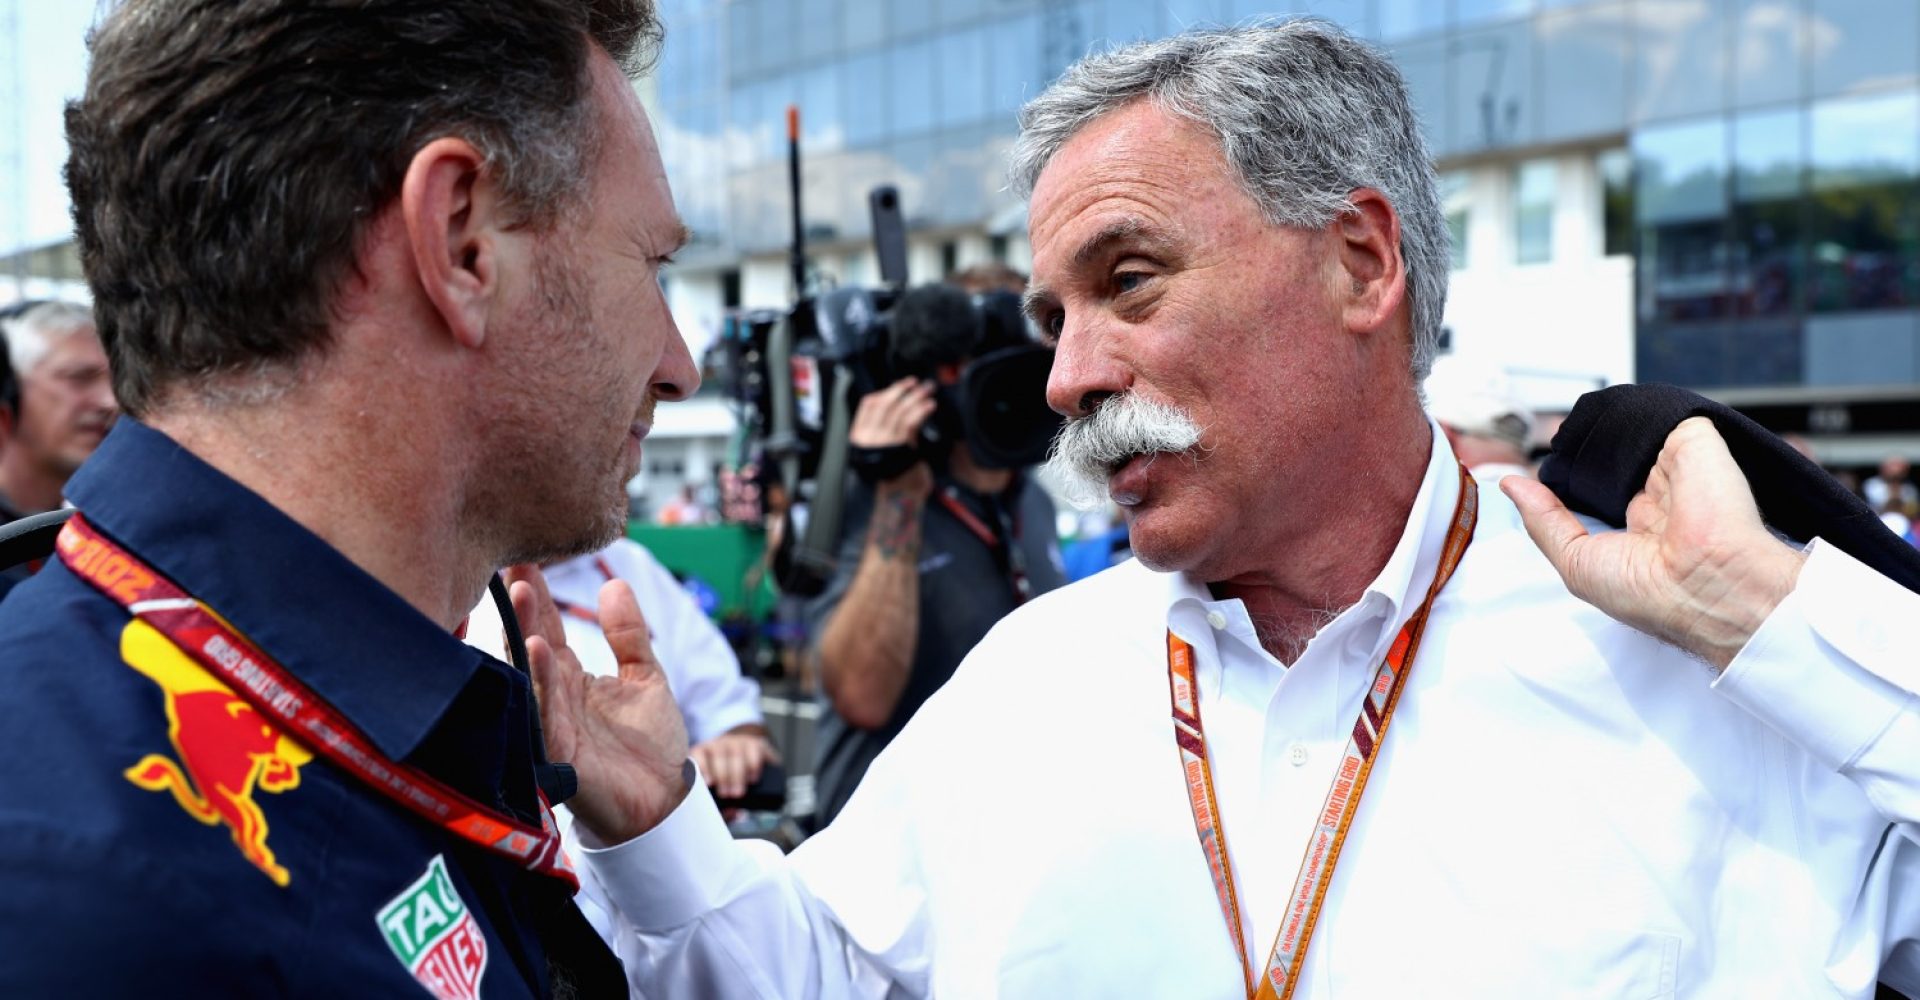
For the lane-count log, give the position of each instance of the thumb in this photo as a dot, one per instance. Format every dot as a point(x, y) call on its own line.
point(1553, 528)
point(626, 631)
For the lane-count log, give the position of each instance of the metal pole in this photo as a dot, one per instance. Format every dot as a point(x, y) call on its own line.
point(799, 262)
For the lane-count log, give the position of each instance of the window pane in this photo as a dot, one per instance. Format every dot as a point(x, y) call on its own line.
point(914, 17)
point(1533, 186)
point(822, 129)
point(817, 31)
point(1865, 154)
point(774, 21)
point(1767, 172)
point(863, 22)
point(1584, 55)
point(963, 83)
point(743, 39)
point(1457, 204)
point(1679, 57)
point(1768, 53)
point(1129, 21)
point(1184, 14)
point(1492, 88)
point(1424, 67)
point(1681, 201)
point(1353, 15)
point(910, 99)
point(1615, 167)
point(1862, 43)
point(1015, 70)
point(1475, 11)
point(864, 90)
point(1402, 18)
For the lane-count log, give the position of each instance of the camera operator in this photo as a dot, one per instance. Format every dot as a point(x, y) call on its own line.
point(936, 547)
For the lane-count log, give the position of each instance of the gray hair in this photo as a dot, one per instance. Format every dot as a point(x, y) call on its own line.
point(1305, 114)
point(29, 336)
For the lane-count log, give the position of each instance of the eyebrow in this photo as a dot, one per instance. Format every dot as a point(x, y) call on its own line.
point(1131, 229)
point(680, 236)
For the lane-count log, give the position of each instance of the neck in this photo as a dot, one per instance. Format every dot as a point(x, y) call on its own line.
point(1356, 527)
point(394, 516)
point(973, 476)
point(27, 486)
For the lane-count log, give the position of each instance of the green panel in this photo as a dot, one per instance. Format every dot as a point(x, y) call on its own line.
point(720, 555)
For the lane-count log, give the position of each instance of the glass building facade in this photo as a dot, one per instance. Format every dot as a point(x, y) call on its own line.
point(1752, 164)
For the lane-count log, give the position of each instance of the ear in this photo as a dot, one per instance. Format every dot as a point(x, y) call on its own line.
point(453, 213)
point(1372, 280)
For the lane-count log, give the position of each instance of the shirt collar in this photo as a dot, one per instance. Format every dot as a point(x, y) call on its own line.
point(1401, 583)
point(342, 633)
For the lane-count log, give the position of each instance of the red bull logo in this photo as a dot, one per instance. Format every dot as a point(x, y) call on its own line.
point(224, 751)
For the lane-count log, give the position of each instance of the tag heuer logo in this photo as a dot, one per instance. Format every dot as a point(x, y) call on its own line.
point(432, 933)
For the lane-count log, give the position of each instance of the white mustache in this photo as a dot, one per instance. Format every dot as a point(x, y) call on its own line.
point(1088, 449)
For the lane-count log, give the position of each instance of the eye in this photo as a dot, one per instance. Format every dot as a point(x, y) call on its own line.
point(1127, 281)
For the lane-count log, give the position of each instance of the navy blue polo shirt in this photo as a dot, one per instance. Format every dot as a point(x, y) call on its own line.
point(158, 839)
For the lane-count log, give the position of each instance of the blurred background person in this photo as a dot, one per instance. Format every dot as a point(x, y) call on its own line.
point(684, 508)
point(932, 554)
point(62, 409)
point(1893, 488)
point(1485, 421)
point(56, 404)
point(728, 736)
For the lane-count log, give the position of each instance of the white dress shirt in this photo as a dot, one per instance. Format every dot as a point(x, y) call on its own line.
point(1563, 807)
point(701, 668)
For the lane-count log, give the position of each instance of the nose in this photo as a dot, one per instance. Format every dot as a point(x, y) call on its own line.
point(1085, 371)
point(677, 377)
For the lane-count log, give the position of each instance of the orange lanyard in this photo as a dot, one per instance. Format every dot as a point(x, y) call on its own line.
point(262, 682)
point(1289, 954)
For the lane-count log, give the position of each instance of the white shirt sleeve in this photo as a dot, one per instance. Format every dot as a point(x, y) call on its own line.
point(1836, 669)
point(691, 912)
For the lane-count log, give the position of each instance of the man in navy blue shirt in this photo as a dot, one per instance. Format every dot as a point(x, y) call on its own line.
point(379, 283)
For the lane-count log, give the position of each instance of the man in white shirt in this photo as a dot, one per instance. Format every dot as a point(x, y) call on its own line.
point(1236, 237)
point(721, 708)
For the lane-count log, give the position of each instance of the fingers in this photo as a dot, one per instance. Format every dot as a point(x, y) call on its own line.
point(893, 415)
point(553, 689)
point(721, 761)
point(626, 632)
point(1553, 528)
point(533, 605)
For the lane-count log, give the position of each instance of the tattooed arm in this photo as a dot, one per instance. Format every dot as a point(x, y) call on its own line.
point(866, 649)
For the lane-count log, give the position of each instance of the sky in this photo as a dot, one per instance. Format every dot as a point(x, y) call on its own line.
point(42, 65)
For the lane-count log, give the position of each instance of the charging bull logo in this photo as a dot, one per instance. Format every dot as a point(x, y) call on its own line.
point(226, 751)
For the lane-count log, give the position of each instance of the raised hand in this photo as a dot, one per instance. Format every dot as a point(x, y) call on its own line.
point(891, 418)
point(1695, 566)
point(623, 735)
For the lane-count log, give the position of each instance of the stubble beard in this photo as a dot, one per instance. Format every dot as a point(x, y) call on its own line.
point(571, 496)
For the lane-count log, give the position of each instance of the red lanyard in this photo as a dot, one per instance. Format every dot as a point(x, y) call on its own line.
point(582, 613)
point(1016, 560)
point(1289, 953)
point(265, 684)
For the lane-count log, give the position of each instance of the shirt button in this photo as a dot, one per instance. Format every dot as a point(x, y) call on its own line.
point(1217, 620)
point(1297, 755)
